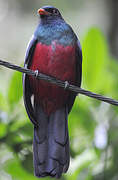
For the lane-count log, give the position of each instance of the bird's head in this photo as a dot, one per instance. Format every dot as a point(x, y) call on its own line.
point(49, 12)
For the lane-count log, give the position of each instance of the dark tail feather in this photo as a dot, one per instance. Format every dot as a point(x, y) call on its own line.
point(40, 142)
point(51, 144)
point(58, 143)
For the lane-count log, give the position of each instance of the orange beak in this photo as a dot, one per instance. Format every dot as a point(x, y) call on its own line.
point(42, 12)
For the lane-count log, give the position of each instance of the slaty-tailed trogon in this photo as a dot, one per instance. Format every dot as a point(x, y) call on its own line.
point(53, 50)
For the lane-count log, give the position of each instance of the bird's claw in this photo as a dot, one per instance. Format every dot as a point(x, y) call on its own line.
point(66, 85)
point(36, 73)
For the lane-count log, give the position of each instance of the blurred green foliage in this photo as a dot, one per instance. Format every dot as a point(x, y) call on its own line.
point(92, 124)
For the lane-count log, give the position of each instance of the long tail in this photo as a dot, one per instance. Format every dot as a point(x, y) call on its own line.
point(51, 144)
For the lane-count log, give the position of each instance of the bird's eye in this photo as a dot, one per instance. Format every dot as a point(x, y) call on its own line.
point(55, 12)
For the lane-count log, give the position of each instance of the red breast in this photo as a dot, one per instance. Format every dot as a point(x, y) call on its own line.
point(58, 61)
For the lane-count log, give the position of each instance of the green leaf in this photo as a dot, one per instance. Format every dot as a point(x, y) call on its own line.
point(3, 130)
point(15, 89)
point(94, 59)
point(3, 103)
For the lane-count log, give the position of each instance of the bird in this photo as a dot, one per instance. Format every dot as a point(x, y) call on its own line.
point(54, 50)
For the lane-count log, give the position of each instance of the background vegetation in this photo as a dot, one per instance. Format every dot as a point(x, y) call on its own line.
point(92, 124)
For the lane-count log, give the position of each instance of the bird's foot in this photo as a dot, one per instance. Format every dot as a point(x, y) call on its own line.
point(66, 86)
point(36, 73)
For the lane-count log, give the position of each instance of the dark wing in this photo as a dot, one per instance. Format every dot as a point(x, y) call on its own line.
point(78, 74)
point(78, 64)
point(27, 93)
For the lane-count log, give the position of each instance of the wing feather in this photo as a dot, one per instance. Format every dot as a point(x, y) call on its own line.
point(78, 74)
point(27, 93)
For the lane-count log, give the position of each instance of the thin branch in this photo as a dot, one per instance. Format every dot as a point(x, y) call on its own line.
point(59, 83)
